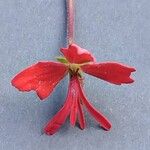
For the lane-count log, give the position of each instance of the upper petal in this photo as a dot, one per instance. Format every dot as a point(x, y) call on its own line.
point(76, 54)
point(41, 77)
point(110, 71)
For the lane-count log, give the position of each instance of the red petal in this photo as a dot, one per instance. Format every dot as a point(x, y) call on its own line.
point(81, 116)
point(74, 107)
point(58, 120)
point(76, 54)
point(96, 114)
point(41, 77)
point(110, 71)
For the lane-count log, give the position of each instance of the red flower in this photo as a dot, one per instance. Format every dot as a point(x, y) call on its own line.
point(44, 76)
point(73, 106)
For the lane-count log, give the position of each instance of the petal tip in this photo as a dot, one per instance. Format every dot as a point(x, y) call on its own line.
point(63, 50)
point(131, 80)
point(48, 133)
point(133, 70)
point(107, 128)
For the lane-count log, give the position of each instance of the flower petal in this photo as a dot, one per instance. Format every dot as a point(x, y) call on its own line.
point(76, 54)
point(58, 120)
point(110, 71)
point(81, 115)
point(74, 107)
point(104, 122)
point(41, 77)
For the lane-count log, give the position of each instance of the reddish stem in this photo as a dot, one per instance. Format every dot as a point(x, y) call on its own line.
point(70, 21)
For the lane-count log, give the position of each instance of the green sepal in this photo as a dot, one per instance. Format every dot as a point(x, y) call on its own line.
point(62, 59)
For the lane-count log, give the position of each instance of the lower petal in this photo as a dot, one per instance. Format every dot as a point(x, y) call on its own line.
point(96, 114)
point(58, 120)
point(74, 109)
point(81, 116)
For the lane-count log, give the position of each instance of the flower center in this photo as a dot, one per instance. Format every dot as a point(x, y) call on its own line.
point(74, 68)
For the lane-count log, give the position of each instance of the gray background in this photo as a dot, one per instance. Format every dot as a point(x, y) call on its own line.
point(33, 30)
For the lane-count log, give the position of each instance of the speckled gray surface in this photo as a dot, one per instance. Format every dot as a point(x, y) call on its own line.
point(33, 30)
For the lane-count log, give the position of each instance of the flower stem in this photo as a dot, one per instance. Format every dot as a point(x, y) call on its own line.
point(70, 21)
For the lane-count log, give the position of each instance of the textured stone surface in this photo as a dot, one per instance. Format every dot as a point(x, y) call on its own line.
point(33, 30)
